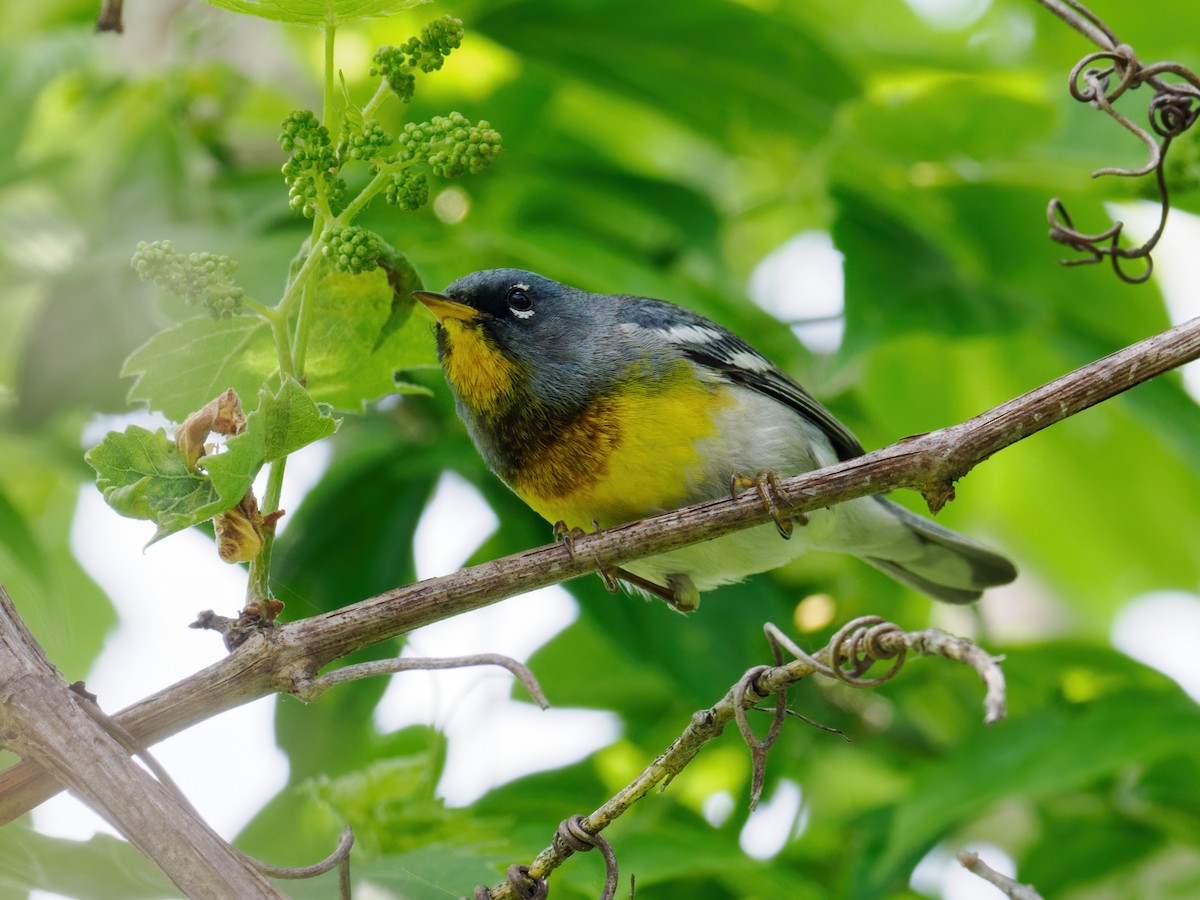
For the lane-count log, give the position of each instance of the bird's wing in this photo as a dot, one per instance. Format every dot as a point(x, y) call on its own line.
point(721, 351)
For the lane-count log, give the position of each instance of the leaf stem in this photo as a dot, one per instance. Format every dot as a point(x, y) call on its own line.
point(381, 94)
point(292, 350)
point(260, 308)
point(303, 274)
point(368, 193)
point(303, 322)
point(327, 112)
point(258, 589)
point(278, 322)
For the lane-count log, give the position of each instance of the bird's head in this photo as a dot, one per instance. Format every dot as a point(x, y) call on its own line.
point(502, 332)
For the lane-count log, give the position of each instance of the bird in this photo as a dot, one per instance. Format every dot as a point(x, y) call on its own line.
point(608, 408)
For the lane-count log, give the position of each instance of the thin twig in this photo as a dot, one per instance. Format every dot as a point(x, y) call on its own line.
point(1084, 21)
point(319, 685)
point(110, 18)
point(1017, 891)
point(335, 859)
point(852, 651)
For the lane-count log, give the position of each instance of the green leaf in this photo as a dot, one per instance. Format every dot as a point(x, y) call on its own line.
point(143, 476)
point(363, 331)
point(394, 807)
point(436, 872)
point(282, 424)
point(649, 52)
point(103, 868)
point(182, 368)
point(17, 537)
point(67, 612)
point(1095, 832)
point(947, 117)
point(321, 13)
point(927, 291)
point(1041, 755)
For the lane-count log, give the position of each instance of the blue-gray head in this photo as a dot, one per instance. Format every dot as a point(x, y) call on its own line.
point(504, 332)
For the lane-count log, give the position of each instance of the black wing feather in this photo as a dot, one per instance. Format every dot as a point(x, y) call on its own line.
point(720, 350)
point(778, 386)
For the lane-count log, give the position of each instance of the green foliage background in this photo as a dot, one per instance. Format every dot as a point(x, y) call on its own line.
point(658, 148)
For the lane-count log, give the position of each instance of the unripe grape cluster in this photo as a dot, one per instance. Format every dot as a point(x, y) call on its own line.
point(201, 277)
point(408, 190)
point(353, 249)
point(364, 142)
point(450, 145)
point(447, 146)
point(427, 52)
point(312, 170)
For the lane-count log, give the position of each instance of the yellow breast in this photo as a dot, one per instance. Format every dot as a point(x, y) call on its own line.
point(629, 455)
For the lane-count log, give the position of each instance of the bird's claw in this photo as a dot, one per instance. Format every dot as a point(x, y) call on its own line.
point(766, 484)
point(680, 593)
point(568, 535)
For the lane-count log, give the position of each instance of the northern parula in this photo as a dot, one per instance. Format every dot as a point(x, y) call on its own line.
point(607, 408)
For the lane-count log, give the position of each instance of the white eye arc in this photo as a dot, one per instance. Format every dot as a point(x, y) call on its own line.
point(519, 301)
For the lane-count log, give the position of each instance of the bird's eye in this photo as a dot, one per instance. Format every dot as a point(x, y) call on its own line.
point(519, 301)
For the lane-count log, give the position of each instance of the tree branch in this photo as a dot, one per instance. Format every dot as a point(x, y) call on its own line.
point(1010, 888)
point(847, 657)
point(41, 722)
point(286, 658)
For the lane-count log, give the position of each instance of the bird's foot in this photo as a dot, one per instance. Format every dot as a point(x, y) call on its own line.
point(767, 485)
point(568, 535)
point(680, 593)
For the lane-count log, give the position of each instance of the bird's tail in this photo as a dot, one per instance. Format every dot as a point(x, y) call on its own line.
point(943, 564)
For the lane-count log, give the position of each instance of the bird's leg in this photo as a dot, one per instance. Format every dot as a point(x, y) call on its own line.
point(568, 536)
point(680, 593)
point(767, 486)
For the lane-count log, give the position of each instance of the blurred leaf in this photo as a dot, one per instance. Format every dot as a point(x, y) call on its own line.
point(430, 873)
point(322, 13)
point(72, 350)
point(64, 608)
point(1097, 832)
point(102, 868)
point(926, 290)
point(945, 117)
point(392, 803)
point(16, 536)
point(734, 94)
point(1039, 755)
point(1168, 794)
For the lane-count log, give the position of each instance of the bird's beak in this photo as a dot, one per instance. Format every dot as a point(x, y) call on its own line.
point(445, 308)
